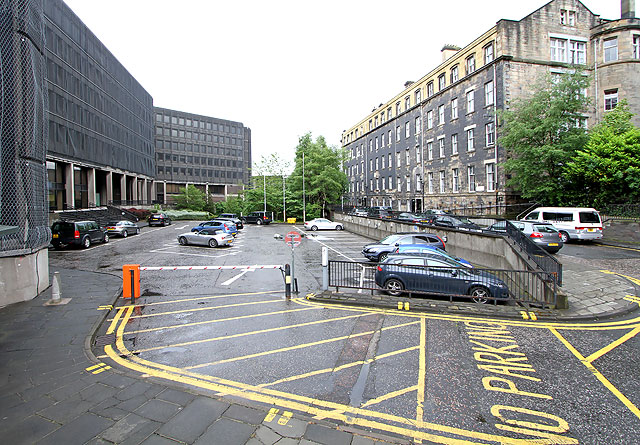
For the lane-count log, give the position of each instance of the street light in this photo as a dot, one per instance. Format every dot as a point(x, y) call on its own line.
point(304, 208)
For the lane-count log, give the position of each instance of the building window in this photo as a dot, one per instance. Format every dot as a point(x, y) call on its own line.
point(470, 64)
point(454, 74)
point(390, 136)
point(389, 113)
point(398, 133)
point(441, 115)
point(636, 47)
point(370, 125)
point(430, 89)
point(397, 109)
point(441, 146)
point(558, 50)
point(470, 146)
point(406, 155)
point(470, 101)
point(382, 140)
point(442, 183)
point(430, 150)
point(377, 164)
point(408, 181)
point(370, 145)
point(610, 99)
point(455, 184)
point(377, 146)
point(454, 108)
point(376, 122)
point(418, 157)
point(488, 53)
point(490, 134)
point(490, 170)
point(407, 102)
point(567, 18)
point(488, 93)
point(382, 118)
point(390, 161)
point(442, 82)
point(430, 182)
point(407, 130)
point(471, 177)
point(577, 53)
point(611, 50)
point(454, 144)
point(430, 119)
point(418, 96)
point(418, 182)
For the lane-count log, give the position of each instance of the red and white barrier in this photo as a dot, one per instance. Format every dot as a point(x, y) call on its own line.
point(254, 267)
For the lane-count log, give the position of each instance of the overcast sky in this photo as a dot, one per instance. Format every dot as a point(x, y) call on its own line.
point(288, 67)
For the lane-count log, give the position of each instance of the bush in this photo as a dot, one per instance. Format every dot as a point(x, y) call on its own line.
point(141, 214)
point(187, 215)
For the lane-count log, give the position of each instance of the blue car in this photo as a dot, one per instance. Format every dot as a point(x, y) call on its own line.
point(226, 226)
point(425, 249)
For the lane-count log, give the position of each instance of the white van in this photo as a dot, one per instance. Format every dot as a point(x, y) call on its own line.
point(579, 223)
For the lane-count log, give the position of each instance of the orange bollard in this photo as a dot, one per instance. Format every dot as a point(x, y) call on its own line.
point(131, 281)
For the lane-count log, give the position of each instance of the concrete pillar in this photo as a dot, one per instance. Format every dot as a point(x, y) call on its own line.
point(109, 187)
point(91, 186)
point(153, 192)
point(206, 190)
point(164, 191)
point(226, 191)
point(69, 186)
point(134, 189)
point(123, 187)
point(145, 195)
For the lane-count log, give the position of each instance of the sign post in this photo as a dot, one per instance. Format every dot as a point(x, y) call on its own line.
point(293, 239)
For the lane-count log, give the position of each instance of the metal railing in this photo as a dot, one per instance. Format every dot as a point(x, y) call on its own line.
point(537, 288)
point(536, 253)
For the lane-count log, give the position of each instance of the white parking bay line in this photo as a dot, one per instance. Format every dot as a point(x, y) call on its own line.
point(181, 228)
point(231, 280)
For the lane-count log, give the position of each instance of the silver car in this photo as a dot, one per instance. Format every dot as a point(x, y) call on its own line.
point(544, 235)
point(206, 237)
point(122, 228)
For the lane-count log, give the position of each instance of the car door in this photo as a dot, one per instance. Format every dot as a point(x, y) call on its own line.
point(414, 274)
point(445, 278)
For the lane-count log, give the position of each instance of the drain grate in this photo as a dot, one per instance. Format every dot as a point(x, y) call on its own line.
point(104, 340)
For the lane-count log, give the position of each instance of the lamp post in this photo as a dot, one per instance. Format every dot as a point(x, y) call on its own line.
point(304, 208)
point(264, 184)
point(284, 202)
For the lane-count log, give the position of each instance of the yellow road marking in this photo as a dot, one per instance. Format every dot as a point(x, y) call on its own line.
point(286, 416)
point(211, 297)
point(106, 307)
point(597, 374)
point(296, 402)
point(219, 320)
point(114, 323)
point(390, 395)
point(422, 374)
point(271, 415)
point(633, 280)
point(91, 368)
point(293, 348)
point(615, 344)
point(632, 299)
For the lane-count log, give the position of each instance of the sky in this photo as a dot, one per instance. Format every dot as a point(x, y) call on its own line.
point(288, 67)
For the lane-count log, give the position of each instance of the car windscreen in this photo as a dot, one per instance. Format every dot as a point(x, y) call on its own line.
point(62, 227)
point(544, 228)
point(589, 217)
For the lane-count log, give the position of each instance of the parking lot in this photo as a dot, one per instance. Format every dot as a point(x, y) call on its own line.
point(439, 378)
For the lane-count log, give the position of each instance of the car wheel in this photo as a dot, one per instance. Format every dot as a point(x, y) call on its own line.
point(259, 222)
point(338, 227)
point(125, 234)
point(213, 243)
point(394, 287)
point(564, 236)
point(480, 294)
point(383, 256)
point(86, 242)
point(183, 241)
point(314, 228)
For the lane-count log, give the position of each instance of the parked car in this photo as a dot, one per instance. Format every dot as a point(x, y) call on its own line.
point(543, 234)
point(160, 219)
point(359, 211)
point(225, 226)
point(455, 222)
point(380, 250)
point(122, 228)
point(78, 233)
point(413, 218)
point(322, 224)
point(379, 213)
point(421, 249)
point(230, 221)
point(573, 223)
point(206, 237)
point(233, 217)
point(258, 218)
point(400, 272)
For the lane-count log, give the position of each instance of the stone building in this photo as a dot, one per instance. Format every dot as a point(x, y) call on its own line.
point(434, 144)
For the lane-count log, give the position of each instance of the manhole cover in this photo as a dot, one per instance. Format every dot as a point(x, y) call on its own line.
point(104, 340)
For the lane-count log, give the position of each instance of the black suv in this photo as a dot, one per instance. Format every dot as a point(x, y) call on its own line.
point(79, 233)
point(257, 218)
point(159, 219)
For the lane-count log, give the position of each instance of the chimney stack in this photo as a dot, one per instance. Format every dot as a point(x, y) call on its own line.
point(627, 9)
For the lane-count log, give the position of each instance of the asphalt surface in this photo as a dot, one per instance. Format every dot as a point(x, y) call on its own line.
point(222, 355)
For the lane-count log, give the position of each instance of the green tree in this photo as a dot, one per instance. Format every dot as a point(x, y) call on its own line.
point(324, 178)
point(267, 181)
point(541, 136)
point(191, 198)
point(607, 170)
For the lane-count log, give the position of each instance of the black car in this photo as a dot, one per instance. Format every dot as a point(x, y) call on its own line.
point(455, 222)
point(379, 213)
point(438, 276)
point(258, 218)
point(78, 233)
point(231, 217)
point(159, 219)
point(380, 250)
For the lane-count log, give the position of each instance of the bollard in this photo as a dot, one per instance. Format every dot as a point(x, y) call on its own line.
point(55, 288)
point(131, 282)
point(325, 268)
point(287, 281)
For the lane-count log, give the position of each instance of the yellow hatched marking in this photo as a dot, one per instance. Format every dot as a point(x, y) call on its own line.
point(615, 344)
point(98, 371)
point(525, 315)
point(286, 416)
point(390, 395)
point(597, 374)
point(114, 323)
point(91, 368)
point(271, 414)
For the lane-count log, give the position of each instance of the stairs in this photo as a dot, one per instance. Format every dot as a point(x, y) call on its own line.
point(103, 215)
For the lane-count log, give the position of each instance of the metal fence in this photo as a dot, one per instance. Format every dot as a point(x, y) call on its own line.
point(481, 285)
point(23, 128)
point(537, 254)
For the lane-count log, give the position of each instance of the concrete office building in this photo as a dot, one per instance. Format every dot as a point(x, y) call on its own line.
point(433, 145)
point(212, 154)
point(100, 120)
